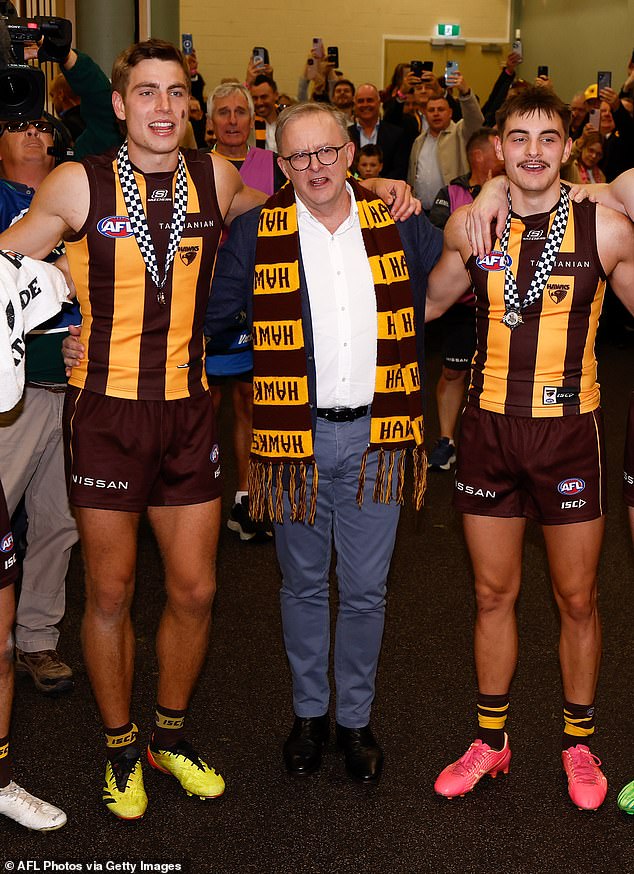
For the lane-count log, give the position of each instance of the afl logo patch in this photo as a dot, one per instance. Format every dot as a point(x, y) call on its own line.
point(6, 544)
point(115, 226)
point(494, 261)
point(214, 455)
point(571, 486)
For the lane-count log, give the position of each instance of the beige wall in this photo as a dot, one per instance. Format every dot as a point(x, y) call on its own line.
point(575, 38)
point(225, 33)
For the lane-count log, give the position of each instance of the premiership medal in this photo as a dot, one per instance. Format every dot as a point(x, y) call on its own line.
point(512, 318)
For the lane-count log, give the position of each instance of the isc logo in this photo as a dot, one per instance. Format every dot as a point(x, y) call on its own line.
point(571, 486)
point(115, 226)
point(573, 505)
point(6, 543)
point(494, 261)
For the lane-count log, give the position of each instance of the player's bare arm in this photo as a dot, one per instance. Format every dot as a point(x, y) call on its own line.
point(449, 279)
point(234, 197)
point(59, 206)
point(615, 243)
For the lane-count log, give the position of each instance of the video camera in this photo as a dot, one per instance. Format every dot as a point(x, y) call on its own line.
point(22, 87)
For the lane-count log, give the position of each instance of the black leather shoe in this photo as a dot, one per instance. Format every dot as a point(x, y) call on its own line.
point(363, 755)
point(305, 744)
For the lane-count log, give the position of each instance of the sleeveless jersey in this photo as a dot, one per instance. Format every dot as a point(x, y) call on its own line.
point(137, 347)
point(546, 366)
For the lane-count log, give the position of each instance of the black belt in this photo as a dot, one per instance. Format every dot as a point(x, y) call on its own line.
point(56, 388)
point(342, 414)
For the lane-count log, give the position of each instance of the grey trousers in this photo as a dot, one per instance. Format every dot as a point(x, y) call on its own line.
point(32, 464)
point(364, 541)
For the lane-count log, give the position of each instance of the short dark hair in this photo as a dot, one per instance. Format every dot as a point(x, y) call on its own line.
point(343, 82)
point(263, 79)
point(370, 151)
point(533, 99)
point(151, 49)
point(480, 138)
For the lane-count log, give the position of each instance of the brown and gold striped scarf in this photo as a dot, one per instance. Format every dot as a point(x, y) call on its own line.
point(282, 447)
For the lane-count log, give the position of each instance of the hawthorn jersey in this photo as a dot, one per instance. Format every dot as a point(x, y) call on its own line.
point(136, 346)
point(546, 366)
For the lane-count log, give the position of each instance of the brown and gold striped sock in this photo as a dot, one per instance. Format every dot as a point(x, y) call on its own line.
point(578, 724)
point(118, 739)
point(5, 762)
point(492, 713)
point(168, 728)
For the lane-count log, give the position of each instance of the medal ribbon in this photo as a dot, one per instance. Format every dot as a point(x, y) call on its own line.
point(544, 266)
point(138, 219)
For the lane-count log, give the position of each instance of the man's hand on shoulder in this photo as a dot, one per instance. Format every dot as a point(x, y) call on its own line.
point(491, 204)
point(397, 195)
point(72, 350)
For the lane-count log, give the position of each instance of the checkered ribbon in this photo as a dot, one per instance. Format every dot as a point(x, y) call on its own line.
point(544, 266)
point(138, 219)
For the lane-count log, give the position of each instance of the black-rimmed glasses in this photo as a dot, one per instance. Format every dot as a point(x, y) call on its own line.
point(327, 155)
point(15, 127)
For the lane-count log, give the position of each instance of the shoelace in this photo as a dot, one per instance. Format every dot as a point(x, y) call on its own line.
point(21, 796)
point(187, 752)
point(472, 758)
point(584, 765)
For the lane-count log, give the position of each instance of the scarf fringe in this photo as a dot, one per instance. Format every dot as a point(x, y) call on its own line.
point(264, 498)
point(420, 476)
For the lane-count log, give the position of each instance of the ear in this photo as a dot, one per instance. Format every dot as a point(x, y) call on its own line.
point(118, 105)
point(567, 150)
point(497, 145)
point(350, 150)
point(281, 163)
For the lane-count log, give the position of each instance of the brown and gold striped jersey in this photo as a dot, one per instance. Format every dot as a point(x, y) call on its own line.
point(546, 366)
point(137, 347)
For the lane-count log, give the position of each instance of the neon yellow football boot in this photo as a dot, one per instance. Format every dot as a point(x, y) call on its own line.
point(124, 793)
point(183, 762)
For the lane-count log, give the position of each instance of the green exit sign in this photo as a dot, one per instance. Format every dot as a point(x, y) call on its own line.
point(448, 29)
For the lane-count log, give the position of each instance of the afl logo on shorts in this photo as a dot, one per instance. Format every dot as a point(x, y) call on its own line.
point(115, 226)
point(214, 455)
point(6, 544)
point(494, 261)
point(571, 486)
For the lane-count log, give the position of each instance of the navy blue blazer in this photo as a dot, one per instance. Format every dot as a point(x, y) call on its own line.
point(232, 287)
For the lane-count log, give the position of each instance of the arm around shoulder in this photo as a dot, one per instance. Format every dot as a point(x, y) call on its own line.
point(59, 206)
point(449, 279)
point(615, 243)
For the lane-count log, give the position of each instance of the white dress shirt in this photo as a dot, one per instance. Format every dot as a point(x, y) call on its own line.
point(343, 308)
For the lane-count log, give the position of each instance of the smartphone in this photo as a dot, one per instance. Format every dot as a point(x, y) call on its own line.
point(604, 80)
point(311, 68)
point(260, 56)
point(333, 55)
point(318, 47)
point(416, 67)
point(428, 66)
point(595, 118)
point(517, 45)
point(542, 71)
point(187, 42)
point(451, 69)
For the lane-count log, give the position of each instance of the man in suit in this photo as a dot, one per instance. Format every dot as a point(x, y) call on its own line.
point(370, 128)
point(333, 426)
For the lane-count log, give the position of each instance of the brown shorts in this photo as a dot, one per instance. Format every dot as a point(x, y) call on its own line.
point(551, 470)
point(628, 466)
point(128, 455)
point(8, 557)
